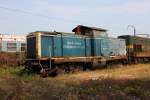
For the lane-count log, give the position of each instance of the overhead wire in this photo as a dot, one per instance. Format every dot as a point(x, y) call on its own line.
point(40, 15)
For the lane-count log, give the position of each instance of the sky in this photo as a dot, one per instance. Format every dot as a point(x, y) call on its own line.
point(25, 16)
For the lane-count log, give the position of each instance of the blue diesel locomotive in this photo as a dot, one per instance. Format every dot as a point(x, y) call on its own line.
point(87, 47)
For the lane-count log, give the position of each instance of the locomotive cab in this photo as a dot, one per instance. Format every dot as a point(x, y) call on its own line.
point(90, 31)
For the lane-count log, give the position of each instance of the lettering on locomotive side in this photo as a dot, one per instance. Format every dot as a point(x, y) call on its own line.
point(104, 48)
point(73, 45)
point(69, 47)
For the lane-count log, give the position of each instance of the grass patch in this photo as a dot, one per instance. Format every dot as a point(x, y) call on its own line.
point(123, 83)
point(12, 59)
point(8, 72)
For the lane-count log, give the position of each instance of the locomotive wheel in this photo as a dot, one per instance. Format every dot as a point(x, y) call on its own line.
point(60, 71)
point(48, 72)
point(43, 73)
point(78, 68)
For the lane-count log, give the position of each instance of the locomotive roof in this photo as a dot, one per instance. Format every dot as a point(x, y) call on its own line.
point(87, 27)
point(48, 32)
point(133, 36)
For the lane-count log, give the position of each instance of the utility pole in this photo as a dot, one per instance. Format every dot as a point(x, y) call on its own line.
point(134, 30)
point(50, 64)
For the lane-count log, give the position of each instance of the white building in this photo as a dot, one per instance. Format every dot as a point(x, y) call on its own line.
point(12, 43)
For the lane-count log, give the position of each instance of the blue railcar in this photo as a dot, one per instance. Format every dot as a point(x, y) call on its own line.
point(88, 46)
